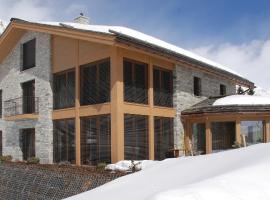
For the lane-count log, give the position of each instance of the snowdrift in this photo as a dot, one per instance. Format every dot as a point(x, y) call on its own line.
point(235, 174)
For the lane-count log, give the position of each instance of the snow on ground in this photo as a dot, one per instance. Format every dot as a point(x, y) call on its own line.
point(242, 100)
point(240, 174)
point(126, 165)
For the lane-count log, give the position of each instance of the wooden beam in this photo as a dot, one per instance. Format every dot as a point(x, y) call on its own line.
point(77, 106)
point(117, 114)
point(208, 135)
point(151, 117)
point(238, 131)
point(267, 130)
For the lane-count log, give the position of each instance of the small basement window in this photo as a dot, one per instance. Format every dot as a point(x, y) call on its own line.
point(222, 89)
point(29, 54)
point(197, 86)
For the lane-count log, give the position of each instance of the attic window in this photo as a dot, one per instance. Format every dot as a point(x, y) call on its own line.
point(197, 86)
point(29, 54)
point(222, 89)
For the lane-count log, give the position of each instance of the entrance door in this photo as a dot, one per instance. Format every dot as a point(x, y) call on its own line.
point(28, 143)
point(28, 89)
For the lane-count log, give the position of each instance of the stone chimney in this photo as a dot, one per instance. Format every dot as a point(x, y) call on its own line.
point(82, 19)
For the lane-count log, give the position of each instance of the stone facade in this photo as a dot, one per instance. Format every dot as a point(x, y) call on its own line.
point(184, 97)
point(11, 78)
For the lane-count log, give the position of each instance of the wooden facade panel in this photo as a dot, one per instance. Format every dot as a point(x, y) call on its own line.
point(64, 53)
point(91, 52)
point(99, 109)
point(63, 114)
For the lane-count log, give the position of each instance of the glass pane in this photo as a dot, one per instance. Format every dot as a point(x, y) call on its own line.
point(198, 138)
point(253, 131)
point(223, 135)
point(164, 135)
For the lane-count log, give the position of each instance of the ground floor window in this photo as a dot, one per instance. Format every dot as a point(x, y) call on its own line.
point(28, 143)
point(253, 131)
point(164, 135)
point(223, 135)
point(136, 137)
point(64, 141)
point(1, 144)
point(198, 139)
point(96, 140)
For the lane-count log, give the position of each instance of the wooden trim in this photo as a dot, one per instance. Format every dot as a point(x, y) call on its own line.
point(267, 130)
point(117, 114)
point(77, 106)
point(238, 131)
point(22, 116)
point(67, 113)
point(97, 109)
point(151, 126)
point(208, 134)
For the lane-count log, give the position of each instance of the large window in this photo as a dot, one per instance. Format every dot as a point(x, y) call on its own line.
point(135, 82)
point(64, 90)
point(197, 87)
point(28, 143)
point(164, 135)
point(136, 137)
point(96, 140)
point(198, 139)
point(95, 82)
point(64, 141)
point(29, 54)
point(223, 135)
point(253, 131)
point(163, 95)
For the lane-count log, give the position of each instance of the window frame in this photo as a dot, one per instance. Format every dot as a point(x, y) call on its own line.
point(66, 72)
point(98, 134)
point(133, 81)
point(160, 70)
point(23, 54)
point(97, 82)
point(197, 86)
point(222, 89)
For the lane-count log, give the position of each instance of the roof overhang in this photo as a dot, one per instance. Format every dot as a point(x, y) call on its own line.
point(18, 27)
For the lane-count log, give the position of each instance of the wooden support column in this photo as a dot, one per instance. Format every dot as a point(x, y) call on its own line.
point(117, 99)
point(238, 131)
point(267, 130)
point(151, 117)
point(77, 106)
point(208, 135)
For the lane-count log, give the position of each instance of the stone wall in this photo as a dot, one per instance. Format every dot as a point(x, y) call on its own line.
point(11, 78)
point(184, 98)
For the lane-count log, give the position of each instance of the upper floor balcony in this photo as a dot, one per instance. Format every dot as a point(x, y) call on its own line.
point(25, 107)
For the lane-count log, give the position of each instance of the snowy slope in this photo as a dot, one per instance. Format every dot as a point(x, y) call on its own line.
point(241, 174)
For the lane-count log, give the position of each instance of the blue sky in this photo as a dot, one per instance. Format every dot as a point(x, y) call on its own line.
point(232, 32)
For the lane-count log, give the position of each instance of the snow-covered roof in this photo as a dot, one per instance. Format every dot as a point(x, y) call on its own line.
point(143, 37)
point(242, 100)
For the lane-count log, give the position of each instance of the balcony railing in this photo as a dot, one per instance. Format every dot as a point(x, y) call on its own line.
point(21, 105)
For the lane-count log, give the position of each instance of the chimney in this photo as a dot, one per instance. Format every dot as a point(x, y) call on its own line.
point(81, 19)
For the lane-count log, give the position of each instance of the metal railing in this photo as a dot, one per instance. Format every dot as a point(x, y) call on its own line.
point(21, 105)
